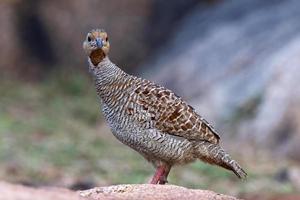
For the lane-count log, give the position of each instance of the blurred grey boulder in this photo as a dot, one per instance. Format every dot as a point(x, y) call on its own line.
point(238, 63)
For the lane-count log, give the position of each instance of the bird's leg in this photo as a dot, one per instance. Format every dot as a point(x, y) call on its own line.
point(157, 176)
point(161, 174)
point(163, 179)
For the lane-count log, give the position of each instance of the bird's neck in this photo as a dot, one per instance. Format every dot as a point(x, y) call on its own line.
point(108, 77)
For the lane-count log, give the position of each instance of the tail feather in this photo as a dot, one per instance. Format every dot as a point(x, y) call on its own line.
point(214, 154)
point(236, 168)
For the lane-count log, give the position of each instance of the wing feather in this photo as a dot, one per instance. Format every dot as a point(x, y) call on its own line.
point(168, 113)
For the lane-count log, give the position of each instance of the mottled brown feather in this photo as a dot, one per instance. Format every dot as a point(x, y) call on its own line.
point(172, 115)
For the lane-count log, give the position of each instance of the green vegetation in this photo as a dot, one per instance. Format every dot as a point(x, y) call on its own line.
point(52, 133)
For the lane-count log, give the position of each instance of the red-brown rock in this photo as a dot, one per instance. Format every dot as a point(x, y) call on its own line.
point(117, 192)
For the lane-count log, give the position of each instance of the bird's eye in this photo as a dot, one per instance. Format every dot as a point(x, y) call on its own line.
point(106, 39)
point(89, 39)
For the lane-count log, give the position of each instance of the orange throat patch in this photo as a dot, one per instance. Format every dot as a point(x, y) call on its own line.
point(97, 56)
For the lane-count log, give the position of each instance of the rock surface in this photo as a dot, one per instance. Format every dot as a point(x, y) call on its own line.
point(10, 191)
point(152, 192)
point(122, 192)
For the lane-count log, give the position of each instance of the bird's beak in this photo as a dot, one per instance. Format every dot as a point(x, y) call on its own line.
point(99, 42)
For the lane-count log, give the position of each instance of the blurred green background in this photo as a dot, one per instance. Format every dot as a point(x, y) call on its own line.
point(236, 62)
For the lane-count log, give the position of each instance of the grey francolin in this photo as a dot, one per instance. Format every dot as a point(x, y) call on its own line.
point(151, 119)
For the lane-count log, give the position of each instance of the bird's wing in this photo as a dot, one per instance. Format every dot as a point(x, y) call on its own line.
point(168, 113)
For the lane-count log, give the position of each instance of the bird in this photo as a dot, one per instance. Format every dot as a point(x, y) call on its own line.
point(151, 119)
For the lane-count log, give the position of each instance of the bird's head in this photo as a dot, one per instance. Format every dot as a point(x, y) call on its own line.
point(96, 45)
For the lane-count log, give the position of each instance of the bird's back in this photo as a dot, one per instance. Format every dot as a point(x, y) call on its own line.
point(168, 113)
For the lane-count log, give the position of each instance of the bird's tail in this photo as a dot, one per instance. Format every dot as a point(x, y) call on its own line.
point(214, 154)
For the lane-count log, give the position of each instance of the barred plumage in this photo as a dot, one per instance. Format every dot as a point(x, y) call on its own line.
point(150, 118)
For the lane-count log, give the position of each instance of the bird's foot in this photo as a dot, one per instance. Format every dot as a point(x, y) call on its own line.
point(163, 180)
